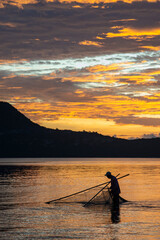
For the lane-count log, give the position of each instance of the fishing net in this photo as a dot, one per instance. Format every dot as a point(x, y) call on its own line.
point(99, 197)
point(99, 194)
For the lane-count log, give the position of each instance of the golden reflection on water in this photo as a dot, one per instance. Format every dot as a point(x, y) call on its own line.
point(25, 187)
point(49, 180)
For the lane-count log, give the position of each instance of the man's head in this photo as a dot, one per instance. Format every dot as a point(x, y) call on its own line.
point(108, 174)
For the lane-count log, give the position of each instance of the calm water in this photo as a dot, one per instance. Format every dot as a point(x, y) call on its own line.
point(26, 184)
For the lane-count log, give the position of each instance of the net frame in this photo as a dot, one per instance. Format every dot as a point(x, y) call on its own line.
point(90, 195)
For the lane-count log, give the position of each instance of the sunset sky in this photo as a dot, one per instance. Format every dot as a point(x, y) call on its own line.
point(83, 65)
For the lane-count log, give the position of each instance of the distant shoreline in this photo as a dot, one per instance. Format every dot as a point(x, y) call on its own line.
point(21, 138)
point(84, 160)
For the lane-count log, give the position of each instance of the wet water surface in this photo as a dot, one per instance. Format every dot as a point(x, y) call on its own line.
point(26, 184)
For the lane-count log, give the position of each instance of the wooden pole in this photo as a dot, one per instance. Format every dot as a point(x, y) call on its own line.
point(54, 200)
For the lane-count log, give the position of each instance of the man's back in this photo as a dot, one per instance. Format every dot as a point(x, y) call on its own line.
point(115, 186)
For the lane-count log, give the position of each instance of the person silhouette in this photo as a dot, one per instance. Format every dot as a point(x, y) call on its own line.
point(114, 189)
point(114, 192)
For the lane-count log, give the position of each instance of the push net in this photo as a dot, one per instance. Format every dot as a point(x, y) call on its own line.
point(95, 195)
point(99, 197)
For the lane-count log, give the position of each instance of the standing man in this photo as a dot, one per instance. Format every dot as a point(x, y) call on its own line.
point(115, 189)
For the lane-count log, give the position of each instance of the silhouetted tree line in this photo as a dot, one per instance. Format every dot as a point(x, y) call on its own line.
point(20, 137)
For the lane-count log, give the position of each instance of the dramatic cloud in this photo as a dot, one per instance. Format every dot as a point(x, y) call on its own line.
point(62, 62)
point(54, 30)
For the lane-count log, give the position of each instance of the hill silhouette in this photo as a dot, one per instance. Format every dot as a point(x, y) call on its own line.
point(12, 119)
point(20, 137)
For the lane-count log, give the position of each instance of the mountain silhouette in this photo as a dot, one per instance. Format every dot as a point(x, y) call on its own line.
point(12, 119)
point(20, 137)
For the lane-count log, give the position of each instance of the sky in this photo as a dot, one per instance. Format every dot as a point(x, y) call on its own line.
point(83, 64)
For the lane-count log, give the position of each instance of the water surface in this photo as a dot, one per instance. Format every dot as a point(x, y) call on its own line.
point(26, 184)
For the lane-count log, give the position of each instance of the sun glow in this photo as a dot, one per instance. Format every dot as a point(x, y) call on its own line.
point(83, 65)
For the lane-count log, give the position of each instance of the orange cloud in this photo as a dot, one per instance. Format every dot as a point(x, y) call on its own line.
point(98, 1)
point(20, 3)
point(10, 76)
point(128, 106)
point(3, 61)
point(101, 114)
point(124, 20)
point(102, 68)
point(23, 2)
point(155, 72)
point(8, 24)
point(13, 87)
point(101, 126)
point(139, 79)
point(137, 34)
point(34, 110)
point(151, 48)
point(90, 43)
point(101, 38)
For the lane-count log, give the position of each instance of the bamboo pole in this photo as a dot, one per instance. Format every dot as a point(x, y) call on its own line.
point(54, 200)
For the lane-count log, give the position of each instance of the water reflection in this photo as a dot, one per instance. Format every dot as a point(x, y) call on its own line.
point(115, 213)
point(24, 189)
point(109, 213)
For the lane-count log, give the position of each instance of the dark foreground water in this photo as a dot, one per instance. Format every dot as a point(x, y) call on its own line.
point(26, 184)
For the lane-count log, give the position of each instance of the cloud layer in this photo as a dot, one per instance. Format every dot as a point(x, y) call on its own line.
point(74, 60)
